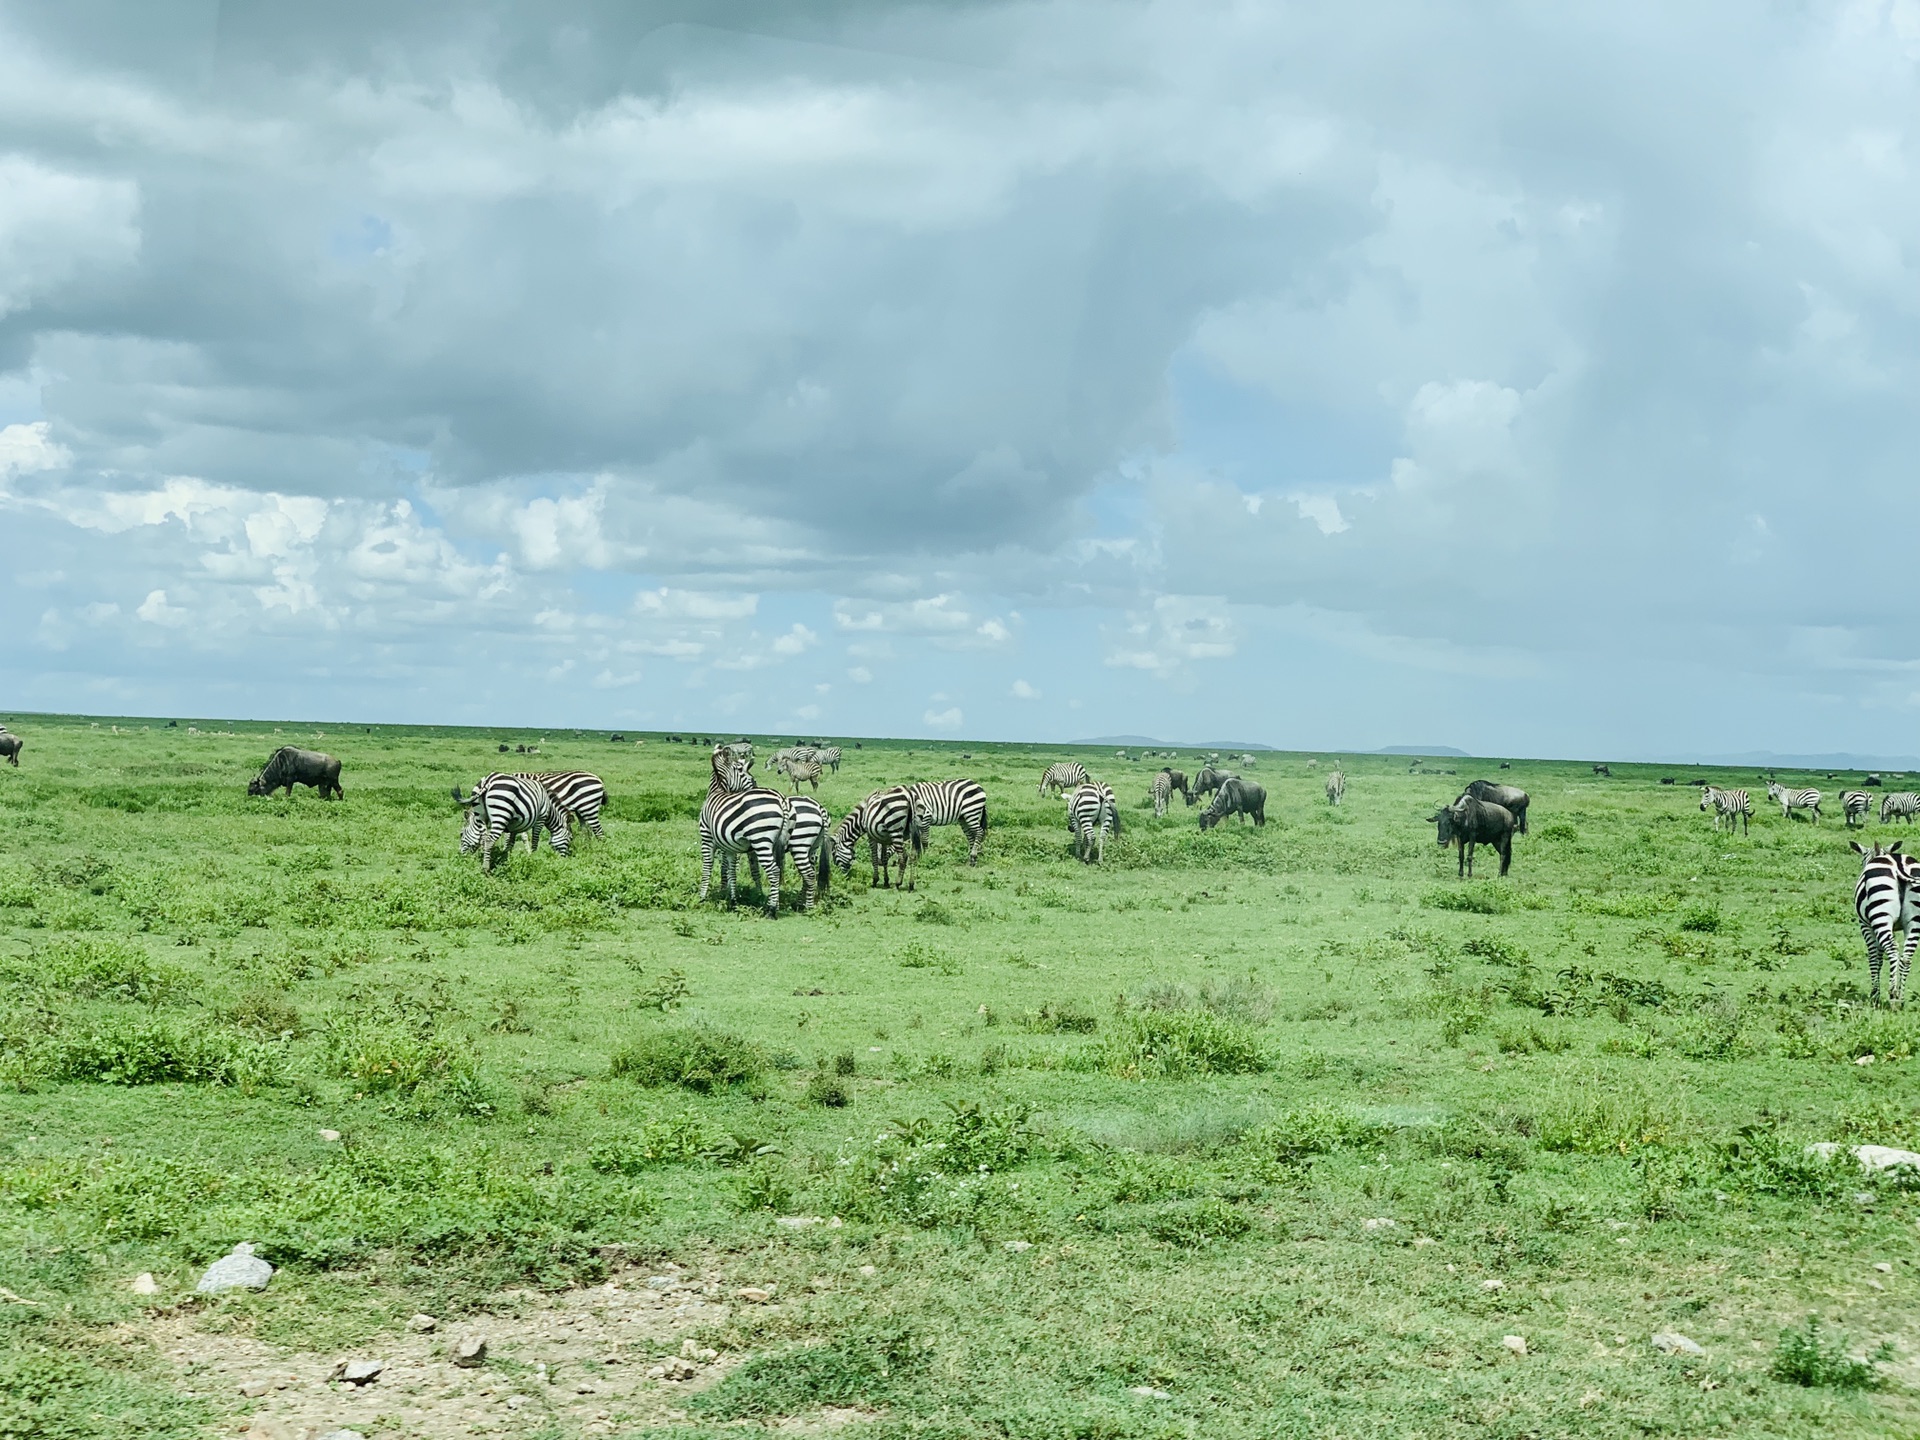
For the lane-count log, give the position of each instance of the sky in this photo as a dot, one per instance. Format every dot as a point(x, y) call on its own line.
point(1533, 379)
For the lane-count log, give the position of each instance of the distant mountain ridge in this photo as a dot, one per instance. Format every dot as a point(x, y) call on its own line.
point(1446, 750)
point(1148, 740)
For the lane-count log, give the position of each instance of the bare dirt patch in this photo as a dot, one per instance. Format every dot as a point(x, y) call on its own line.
point(592, 1360)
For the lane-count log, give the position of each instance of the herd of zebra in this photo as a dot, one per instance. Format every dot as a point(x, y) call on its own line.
point(1735, 807)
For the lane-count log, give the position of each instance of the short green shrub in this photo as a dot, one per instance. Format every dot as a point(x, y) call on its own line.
point(1183, 1043)
point(1059, 1017)
point(863, 1366)
point(267, 1012)
point(1812, 1355)
point(659, 1142)
point(1194, 1223)
point(693, 1057)
point(396, 1047)
point(833, 1091)
point(1702, 919)
point(1474, 899)
point(141, 1052)
point(1494, 950)
point(1297, 1135)
point(96, 967)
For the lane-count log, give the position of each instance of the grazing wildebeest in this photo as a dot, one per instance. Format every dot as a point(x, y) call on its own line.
point(1871, 780)
point(11, 745)
point(1236, 797)
point(1606, 770)
point(1469, 822)
point(289, 766)
point(1506, 764)
point(1208, 781)
point(1507, 797)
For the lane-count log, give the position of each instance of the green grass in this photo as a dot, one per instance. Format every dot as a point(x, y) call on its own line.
point(1268, 1108)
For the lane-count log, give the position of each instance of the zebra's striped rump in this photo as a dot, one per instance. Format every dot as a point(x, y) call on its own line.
point(887, 820)
point(1854, 805)
point(1161, 792)
point(1336, 786)
point(1728, 806)
point(577, 794)
point(1886, 899)
point(806, 845)
point(1092, 815)
point(507, 806)
point(955, 802)
point(1062, 776)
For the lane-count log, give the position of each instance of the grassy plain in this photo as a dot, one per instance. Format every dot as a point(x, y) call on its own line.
point(1231, 1137)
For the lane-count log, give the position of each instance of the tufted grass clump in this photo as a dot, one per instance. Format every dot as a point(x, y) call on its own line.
point(1810, 1355)
point(1181, 1044)
point(693, 1057)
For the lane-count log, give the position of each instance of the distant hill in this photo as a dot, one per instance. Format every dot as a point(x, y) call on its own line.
point(1148, 742)
point(1420, 750)
point(1769, 759)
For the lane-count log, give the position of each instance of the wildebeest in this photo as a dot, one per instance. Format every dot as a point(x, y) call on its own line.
point(1606, 770)
point(1469, 822)
point(1506, 764)
point(1508, 797)
point(289, 766)
point(1208, 781)
point(1871, 780)
point(11, 745)
point(1236, 797)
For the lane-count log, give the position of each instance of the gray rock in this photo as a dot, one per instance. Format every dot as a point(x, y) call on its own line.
point(343, 1435)
point(1872, 1158)
point(357, 1372)
point(1672, 1342)
point(242, 1270)
point(470, 1352)
point(423, 1324)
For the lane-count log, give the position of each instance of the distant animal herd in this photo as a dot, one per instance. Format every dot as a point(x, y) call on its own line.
point(768, 829)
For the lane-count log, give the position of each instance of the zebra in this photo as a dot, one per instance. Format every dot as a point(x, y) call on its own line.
point(1901, 804)
point(891, 827)
point(1792, 800)
point(829, 757)
point(509, 805)
point(740, 819)
point(1336, 785)
point(578, 794)
point(799, 771)
point(955, 802)
point(1854, 805)
point(806, 845)
point(1886, 899)
point(1161, 793)
point(783, 758)
point(1729, 806)
point(1062, 775)
point(1092, 815)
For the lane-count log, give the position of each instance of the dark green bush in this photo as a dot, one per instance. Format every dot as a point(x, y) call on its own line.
point(1812, 1355)
point(1314, 1130)
point(1179, 1044)
point(1194, 1223)
point(861, 1367)
point(693, 1057)
point(1059, 1017)
point(1474, 899)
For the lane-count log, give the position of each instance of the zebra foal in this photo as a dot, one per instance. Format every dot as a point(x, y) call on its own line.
point(887, 820)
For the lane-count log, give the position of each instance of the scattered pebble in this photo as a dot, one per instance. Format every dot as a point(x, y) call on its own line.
point(1380, 1224)
point(357, 1372)
point(1493, 1284)
point(1017, 1245)
point(265, 1427)
point(514, 1402)
point(1516, 1343)
point(583, 1389)
point(254, 1389)
point(422, 1324)
point(869, 1269)
point(1419, 1240)
point(470, 1351)
point(673, 1369)
point(1871, 1157)
point(1883, 1267)
point(1672, 1342)
point(329, 1135)
point(241, 1270)
point(1864, 1060)
point(145, 1284)
point(799, 1222)
point(343, 1435)
point(1149, 1392)
point(754, 1295)
point(662, 1282)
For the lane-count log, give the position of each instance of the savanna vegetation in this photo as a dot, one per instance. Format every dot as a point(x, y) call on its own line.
point(1247, 1133)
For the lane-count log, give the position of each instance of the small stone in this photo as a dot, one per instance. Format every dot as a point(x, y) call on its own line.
point(254, 1389)
point(678, 1369)
point(799, 1222)
point(357, 1372)
point(1871, 1157)
point(422, 1324)
point(1864, 1060)
point(583, 1389)
point(1380, 1224)
point(1419, 1240)
point(1516, 1343)
point(145, 1284)
point(241, 1270)
point(869, 1269)
point(1493, 1284)
point(514, 1402)
point(329, 1135)
point(754, 1295)
point(1017, 1245)
point(1672, 1342)
point(1148, 1392)
point(343, 1435)
point(662, 1282)
point(1883, 1267)
point(470, 1352)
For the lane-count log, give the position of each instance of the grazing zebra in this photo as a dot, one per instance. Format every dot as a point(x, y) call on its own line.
point(1903, 804)
point(806, 845)
point(578, 794)
point(801, 771)
point(1092, 815)
point(955, 802)
point(509, 805)
point(1161, 793)
point(1854, 805)
point(1792, 800)
point(891, 827)
point(1062, 775)
point(1885, 900)
point(738, 819)
point(1731, 806)
point(829, 757)
point(1336, 785)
